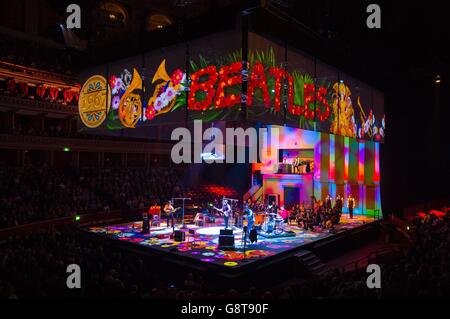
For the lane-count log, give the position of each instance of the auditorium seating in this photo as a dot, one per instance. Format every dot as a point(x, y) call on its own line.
point(208, 192)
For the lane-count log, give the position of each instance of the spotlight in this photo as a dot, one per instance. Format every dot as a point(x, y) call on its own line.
point(66, 149)
point(77, 218)
point(437, 79)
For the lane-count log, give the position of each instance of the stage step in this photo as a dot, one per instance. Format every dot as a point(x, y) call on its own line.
point(312, 262)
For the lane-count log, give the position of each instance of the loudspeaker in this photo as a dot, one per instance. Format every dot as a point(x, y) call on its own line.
point(145, 223)
point(226, 242)
point(226, 232)
point(179, 235)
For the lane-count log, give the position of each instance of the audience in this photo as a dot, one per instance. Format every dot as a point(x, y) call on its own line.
point(31, 194)
point(35, 266)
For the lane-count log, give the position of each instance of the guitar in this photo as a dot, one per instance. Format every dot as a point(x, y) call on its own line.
point(227, 213)
point(172, 211)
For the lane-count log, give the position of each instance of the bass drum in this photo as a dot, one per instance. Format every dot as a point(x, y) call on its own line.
point(279, 224)
point(269, 226)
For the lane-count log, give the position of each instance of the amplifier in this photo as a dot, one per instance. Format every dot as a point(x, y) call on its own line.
point(179, 235)
point(226, 242)
point(226, 232)
point(145, 223)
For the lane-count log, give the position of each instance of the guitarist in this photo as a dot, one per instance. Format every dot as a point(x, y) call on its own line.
point(169, 211)
point(226, 211)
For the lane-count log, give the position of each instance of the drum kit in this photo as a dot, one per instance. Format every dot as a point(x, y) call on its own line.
point(273, 223)
point(269, 222)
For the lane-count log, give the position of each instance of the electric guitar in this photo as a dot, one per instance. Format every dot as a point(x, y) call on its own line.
point(172, 211)
point(227, 213)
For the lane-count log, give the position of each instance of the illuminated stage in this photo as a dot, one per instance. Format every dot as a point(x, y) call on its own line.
point(201, 247)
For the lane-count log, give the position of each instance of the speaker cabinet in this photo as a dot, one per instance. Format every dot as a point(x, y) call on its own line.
point(226, 239)
point(226, 232)
point(179, 235)
point(145, 223)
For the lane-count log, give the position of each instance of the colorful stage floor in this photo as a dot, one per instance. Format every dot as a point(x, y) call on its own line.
point(203, 246)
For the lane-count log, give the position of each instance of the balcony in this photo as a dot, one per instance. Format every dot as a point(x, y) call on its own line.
point(11, 103)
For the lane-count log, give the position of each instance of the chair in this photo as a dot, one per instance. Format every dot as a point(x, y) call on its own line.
point(156, 221)
point(199, 219)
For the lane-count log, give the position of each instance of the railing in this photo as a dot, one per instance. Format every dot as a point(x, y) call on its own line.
point(38, 106)
point(373, 257)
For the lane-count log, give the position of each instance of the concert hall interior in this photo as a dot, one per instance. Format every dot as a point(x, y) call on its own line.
point(214, 149)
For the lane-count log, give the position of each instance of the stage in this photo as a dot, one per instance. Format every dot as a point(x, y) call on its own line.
point(201, 244)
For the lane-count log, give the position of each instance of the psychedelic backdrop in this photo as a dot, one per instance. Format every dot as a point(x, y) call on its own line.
point(283, 88)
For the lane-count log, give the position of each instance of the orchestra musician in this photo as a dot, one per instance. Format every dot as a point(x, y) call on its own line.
point(350, 205)
point(294, 213)
point(328, 203)
point(319, 213)
point(339, 203)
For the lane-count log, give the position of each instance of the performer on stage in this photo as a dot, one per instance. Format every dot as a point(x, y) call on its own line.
point(328, 203)
point(339, 203)
point(169, 212)
point(226, 211)
point(250, 217)
point(350, 205)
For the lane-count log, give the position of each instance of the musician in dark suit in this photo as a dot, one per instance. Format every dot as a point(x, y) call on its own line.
point(339, 203)
point(328, 203)
point(350, 205)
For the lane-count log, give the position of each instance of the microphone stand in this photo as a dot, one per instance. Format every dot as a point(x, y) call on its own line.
point(245, 243)
point(183, 225)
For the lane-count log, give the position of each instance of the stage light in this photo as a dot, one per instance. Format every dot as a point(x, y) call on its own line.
point(437, 79)
point(77, 218)
point(66, 149)
point(407, 228)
